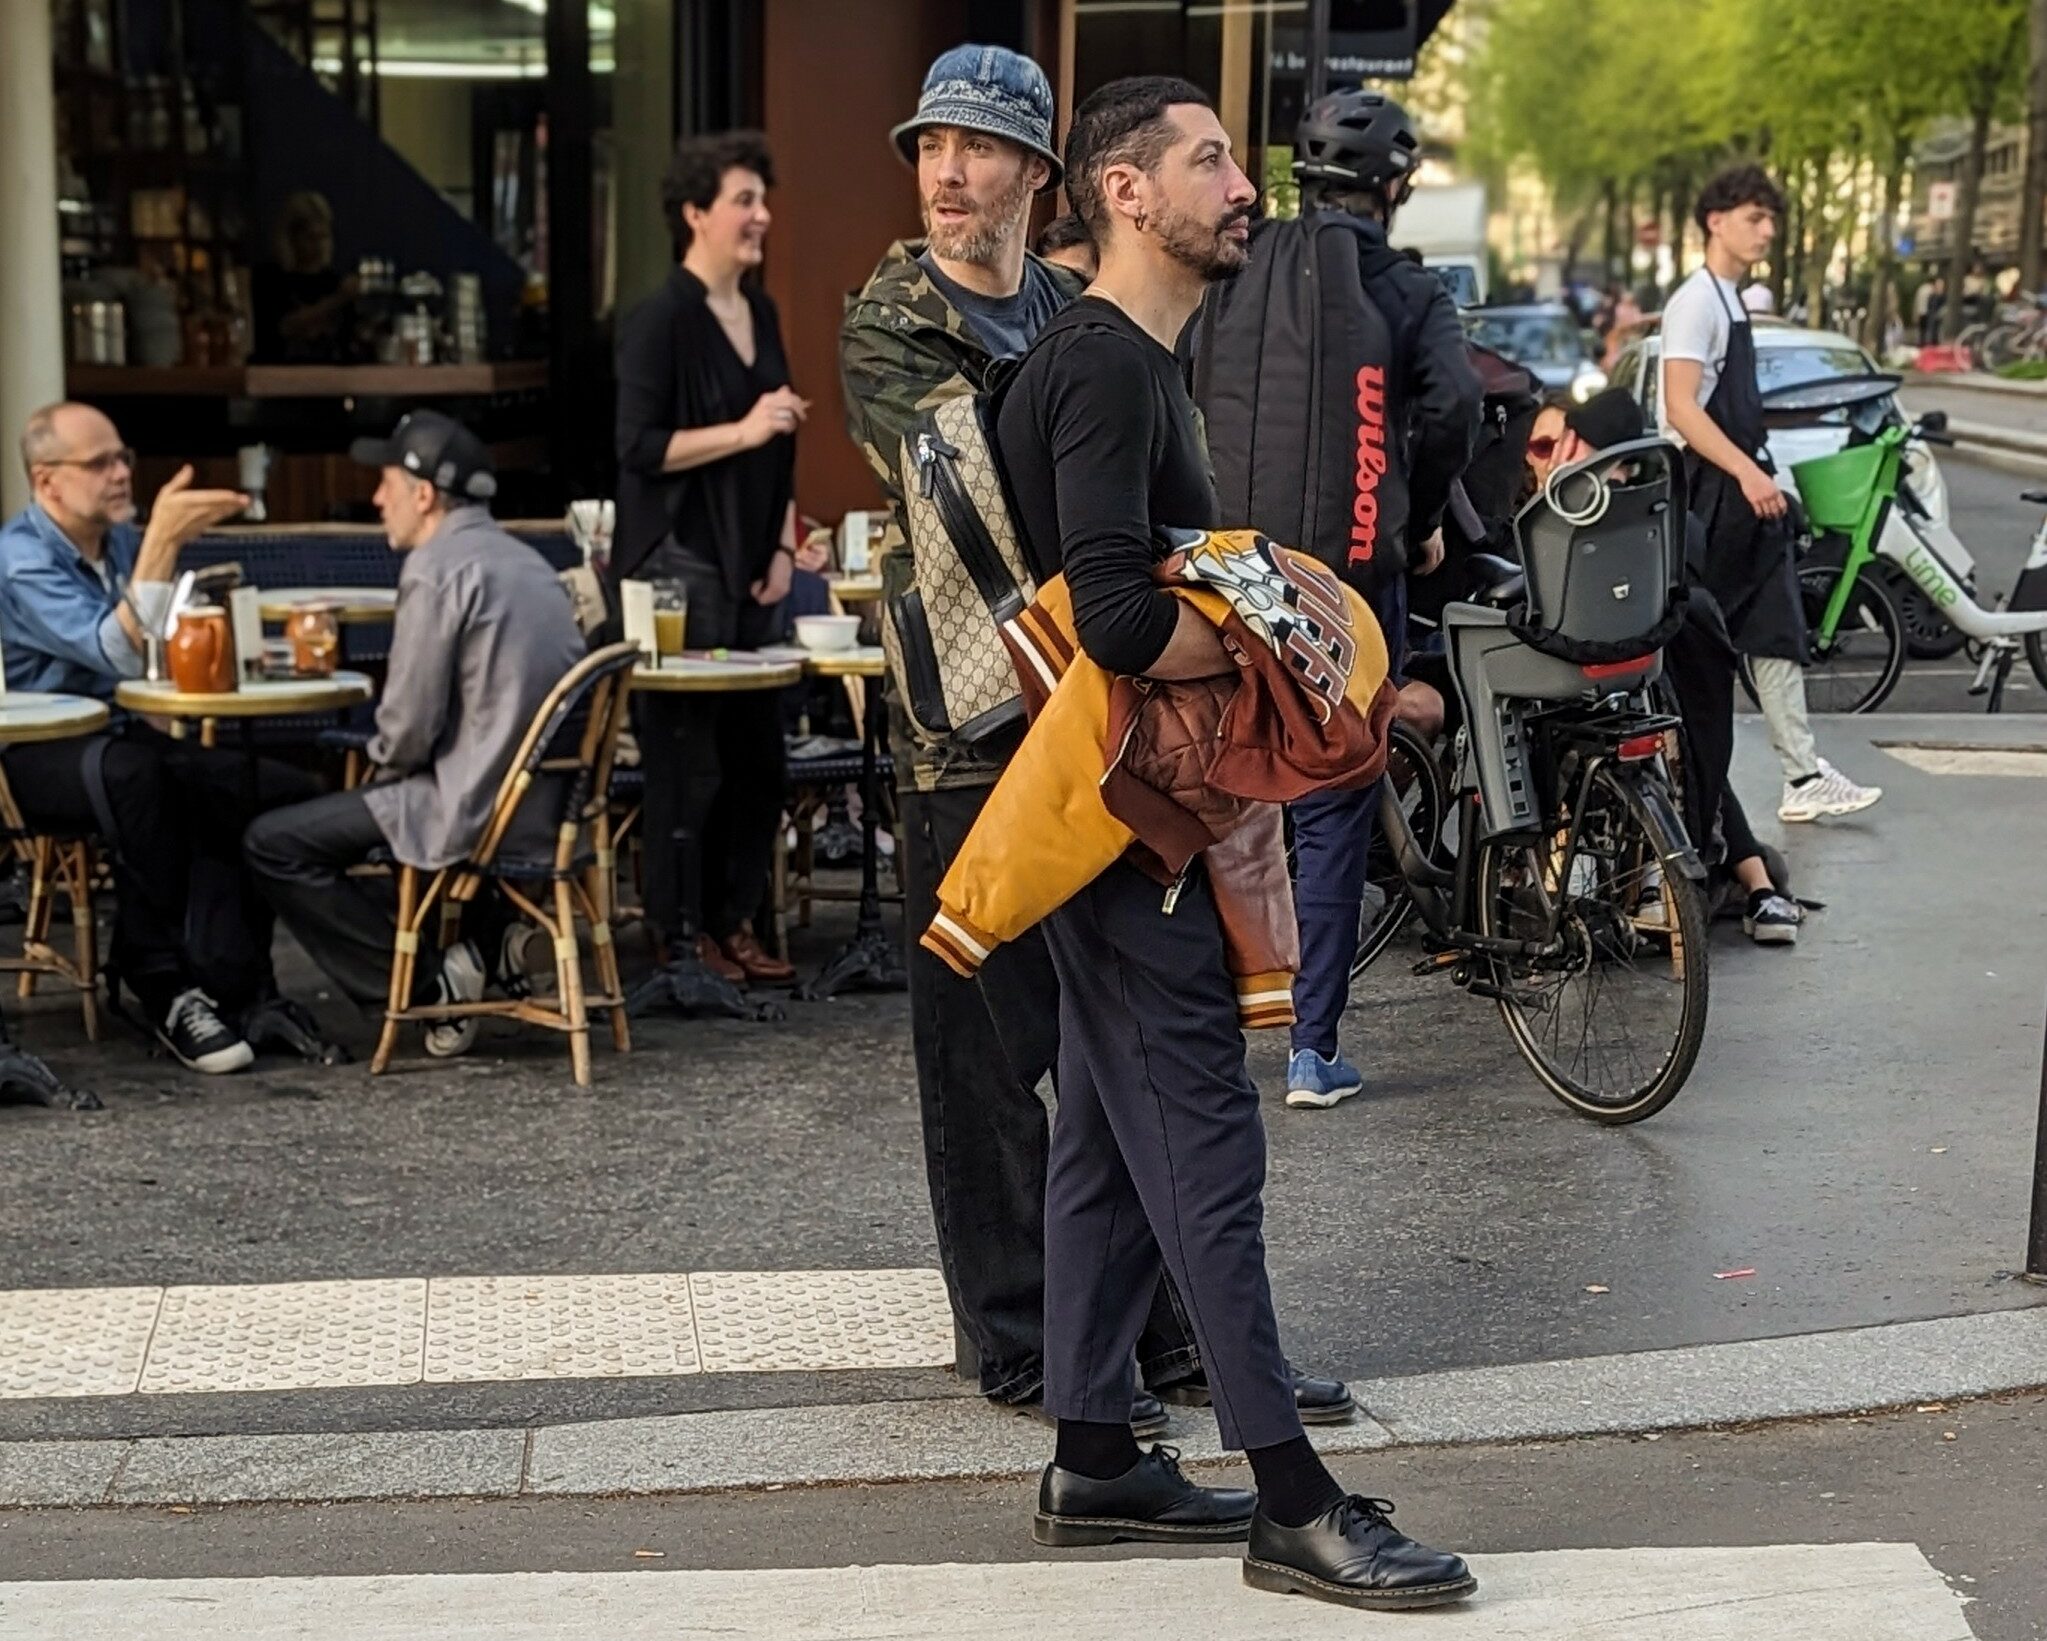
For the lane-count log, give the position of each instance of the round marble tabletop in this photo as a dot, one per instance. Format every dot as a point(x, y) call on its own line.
point(858, 661)
point(855, 589)
point(716, 674)
point(258, 698)
point(32, 715)
point(361, 606)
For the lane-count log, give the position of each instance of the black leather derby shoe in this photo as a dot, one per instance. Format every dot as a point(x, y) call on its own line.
point(1147, 1414)
point(1151, 1503)
point(1319, 1401)
point(1355, 1556)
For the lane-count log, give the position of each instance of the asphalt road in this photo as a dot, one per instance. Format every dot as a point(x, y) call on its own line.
point(1967, 1485)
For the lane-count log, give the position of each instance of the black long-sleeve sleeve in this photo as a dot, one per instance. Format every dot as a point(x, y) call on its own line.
point(646, 389)
point(1446, 398)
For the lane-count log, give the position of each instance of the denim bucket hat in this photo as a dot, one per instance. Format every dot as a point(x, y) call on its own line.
point(989, 89)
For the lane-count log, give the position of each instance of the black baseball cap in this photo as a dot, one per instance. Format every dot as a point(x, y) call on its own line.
point(1609, 417)
point(436, 448)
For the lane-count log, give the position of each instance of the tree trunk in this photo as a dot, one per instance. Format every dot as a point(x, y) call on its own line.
point(1821, 219)
point(1794, 235)
point(2035, 185)
point(1610, 233)
point(1627, 270)
point(1962, 250)
point(1885, 280)
point(1680, 208)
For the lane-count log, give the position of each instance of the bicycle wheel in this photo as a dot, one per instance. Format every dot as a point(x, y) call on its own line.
point(1929, 635)
point(1858, 671)
point(1611, 1021)
point(1418, 780)
point(2000, 346)
point(2036, 653)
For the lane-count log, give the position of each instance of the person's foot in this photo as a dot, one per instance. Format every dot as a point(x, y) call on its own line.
point(1828, 793)
point(194, 1032)
point(1147, 1414)
point(1355, 1556)
point(1652, 910)
point(463, 979)
point(1771, 919)
point(718, 963)
point(1150, 1503)
point(743, 947)
point(1318, 1401)
point(1315, 1083)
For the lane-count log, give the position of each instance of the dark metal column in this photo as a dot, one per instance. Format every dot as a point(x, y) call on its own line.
point(571, 116)
point(1318, 50)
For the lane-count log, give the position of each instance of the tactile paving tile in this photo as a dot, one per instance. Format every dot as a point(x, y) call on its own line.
point(74, 1341)
point(288, 1336)
point(803, 1321)
point(558, 1327)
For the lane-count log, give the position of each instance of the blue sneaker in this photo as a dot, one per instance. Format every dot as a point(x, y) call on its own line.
point(1314, 1081)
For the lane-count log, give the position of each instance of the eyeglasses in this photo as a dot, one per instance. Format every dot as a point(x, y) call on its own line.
point(101, 464)
point(1542, 448)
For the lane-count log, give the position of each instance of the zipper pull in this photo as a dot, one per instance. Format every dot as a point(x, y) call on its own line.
point(930, 446)
point(1179, 883)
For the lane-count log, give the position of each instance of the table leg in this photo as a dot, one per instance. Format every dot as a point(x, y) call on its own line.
point(871, 960)
point(684, 982)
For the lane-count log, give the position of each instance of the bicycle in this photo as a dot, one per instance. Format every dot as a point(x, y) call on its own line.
point(1565, 826)
point(1855, 638)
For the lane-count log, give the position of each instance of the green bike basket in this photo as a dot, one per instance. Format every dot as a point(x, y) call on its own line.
point(1836, 489)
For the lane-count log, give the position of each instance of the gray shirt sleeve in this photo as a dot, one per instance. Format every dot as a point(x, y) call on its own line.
point(426, 635)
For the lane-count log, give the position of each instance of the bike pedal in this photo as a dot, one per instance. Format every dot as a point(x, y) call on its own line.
point(1435, 963)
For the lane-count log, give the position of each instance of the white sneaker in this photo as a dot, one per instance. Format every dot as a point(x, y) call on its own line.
point(462, 979)
point(1652, 911)
point(1828, 793)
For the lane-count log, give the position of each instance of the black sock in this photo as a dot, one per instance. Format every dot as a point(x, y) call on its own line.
point(1294, 1485)
point(1101, 1451)
point(1807, 780)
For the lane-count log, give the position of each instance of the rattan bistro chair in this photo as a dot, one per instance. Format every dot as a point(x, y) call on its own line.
point(564, 761)
point(57, 862)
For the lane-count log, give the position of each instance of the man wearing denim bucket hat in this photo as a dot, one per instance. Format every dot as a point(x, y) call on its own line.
point(929, 325)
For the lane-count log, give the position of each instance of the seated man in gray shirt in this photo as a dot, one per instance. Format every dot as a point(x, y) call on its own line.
point(483, 631)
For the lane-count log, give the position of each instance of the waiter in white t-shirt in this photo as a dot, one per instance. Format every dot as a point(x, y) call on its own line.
point(1712, 406)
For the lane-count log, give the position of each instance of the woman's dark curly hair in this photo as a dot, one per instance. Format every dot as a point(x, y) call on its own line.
point(697, 173)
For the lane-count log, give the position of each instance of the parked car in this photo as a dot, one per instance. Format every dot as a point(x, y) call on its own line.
point(1787, 354)
point(1542, 337)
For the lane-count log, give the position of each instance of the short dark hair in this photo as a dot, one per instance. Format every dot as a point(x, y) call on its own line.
point(697, 173)
point(1063, 233)
point(1122, 123)
point(1735, 187)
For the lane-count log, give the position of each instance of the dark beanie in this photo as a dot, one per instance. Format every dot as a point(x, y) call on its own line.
point(1607, 418)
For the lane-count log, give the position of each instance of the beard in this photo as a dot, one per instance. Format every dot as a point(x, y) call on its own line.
point(1204, 246)
point(986, 230)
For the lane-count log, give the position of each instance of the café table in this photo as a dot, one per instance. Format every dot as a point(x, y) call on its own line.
point(870, 961)
point(863, 588)
point(32, 715)
point(272, 1020)
point(351, 606)
point(684, 982)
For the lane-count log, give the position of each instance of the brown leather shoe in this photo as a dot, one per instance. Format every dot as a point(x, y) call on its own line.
point(745, 949)
point(717, 962)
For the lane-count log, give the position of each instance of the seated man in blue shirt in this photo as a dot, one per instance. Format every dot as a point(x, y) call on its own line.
point(80, 586)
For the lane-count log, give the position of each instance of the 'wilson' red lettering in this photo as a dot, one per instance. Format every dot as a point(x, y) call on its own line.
point(1364, 507)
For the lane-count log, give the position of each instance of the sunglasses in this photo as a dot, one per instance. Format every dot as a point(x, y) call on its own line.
point(101, 464)
point(1542, 448)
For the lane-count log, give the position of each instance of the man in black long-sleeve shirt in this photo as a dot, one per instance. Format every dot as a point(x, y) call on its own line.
point(1157, 1148)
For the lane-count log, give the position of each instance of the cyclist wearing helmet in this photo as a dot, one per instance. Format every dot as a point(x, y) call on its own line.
point(1405, 435)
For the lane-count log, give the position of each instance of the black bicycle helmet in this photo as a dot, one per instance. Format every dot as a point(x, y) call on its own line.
point(1359, 138)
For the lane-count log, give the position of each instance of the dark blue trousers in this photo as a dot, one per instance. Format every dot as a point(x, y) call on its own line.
point(1158, 1154)
point(1332, 840)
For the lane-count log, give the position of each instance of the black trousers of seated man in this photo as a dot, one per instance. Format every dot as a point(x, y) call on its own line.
point(982, 1047)
point(186, 911)
point(301, 858)
point(715, 764)
point(1158, 1156)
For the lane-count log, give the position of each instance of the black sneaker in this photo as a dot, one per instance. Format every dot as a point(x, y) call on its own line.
point(194, 1031)
point(1356, 1557)
point(1772, 919)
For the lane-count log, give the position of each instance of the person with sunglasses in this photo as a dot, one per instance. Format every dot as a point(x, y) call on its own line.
point(82, 586)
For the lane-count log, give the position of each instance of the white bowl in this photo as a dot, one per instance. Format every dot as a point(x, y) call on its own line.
point(827, 632)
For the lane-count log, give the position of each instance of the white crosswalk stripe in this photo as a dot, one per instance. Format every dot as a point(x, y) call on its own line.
point(1843, 1592)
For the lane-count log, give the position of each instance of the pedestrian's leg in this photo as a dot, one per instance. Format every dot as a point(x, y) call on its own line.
point(1332, 839)
point(1780, 688)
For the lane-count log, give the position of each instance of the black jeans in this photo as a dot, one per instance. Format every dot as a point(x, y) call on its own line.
point(982, 1047)
point(1158, 1159)
point(186, 911)
point(300, 857)
point(716, 766)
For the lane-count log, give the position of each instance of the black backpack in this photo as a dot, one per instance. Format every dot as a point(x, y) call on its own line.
point(1294, 371)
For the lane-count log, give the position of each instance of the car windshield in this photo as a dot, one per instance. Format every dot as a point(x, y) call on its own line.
point(1782, 367)
point(1528, 338)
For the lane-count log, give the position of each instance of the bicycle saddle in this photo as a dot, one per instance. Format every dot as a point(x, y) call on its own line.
point(1490, 579)
point(2035, 496)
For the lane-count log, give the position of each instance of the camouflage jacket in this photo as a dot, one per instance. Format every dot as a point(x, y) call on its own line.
point(903, 347)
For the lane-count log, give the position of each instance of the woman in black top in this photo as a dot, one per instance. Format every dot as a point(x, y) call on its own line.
point(707, 455)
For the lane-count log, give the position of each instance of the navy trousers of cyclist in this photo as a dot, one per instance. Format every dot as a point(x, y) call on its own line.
point(1332, 840)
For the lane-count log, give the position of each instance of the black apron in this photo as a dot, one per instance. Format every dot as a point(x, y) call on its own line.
point(1747, 563)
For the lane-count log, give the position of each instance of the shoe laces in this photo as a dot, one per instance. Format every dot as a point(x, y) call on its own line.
point(1361, 1510)
point(194, 1011)
point(1169, 1456)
